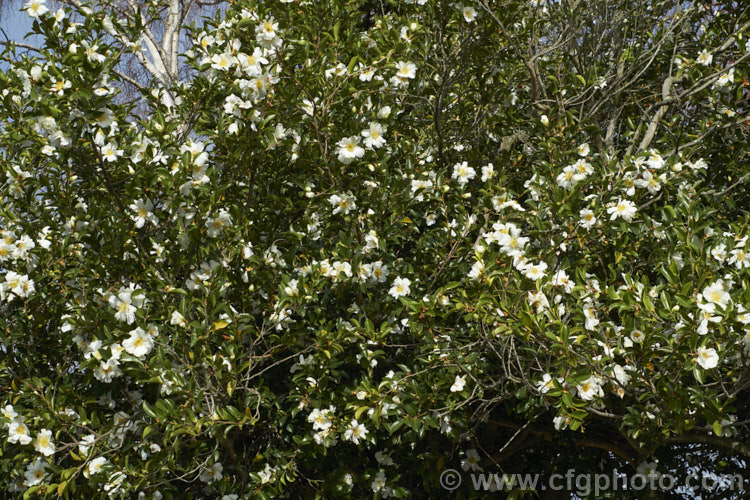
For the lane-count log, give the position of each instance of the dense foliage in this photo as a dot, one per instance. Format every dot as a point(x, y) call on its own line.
point(362, 242)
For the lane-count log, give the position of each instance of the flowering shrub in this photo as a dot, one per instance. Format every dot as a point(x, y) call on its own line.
point(358, 243)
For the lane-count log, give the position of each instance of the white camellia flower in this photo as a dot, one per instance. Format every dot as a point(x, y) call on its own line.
point(650, 181)
point(383, 459)
point(622, 378)
point(648, 470)
point(405, 72)
point(740, 258)
point(23, 245)
point(355, 432)
point(252, 64)
point(628, 182)
point(343, 203)
point(378, 484)
point(699, 164)
point(126, 304)
point(707, 358)
point(488, 172)
point(535, 271)
point(400, 288)
point(95, 466)
point(19, 285)
point(620, 375)
point(266, 474)
point(266, 34)
point(212, 473)
point(35, 8)
point(419, 187)
point(719, 252)
point(19, 433)
point(139, 344)
point(178, 319)
point(58, 86)
point(110, 152)
point(341, 270)
point(560, 422)
point(9, 412)
point(85, 444)
point(143, 212)
point(365, 271)
point(583, 149)
point(371, 242)
point(567, 178)
point(477, 270)
point(222, 61)
point(637, 336)
point(705, 57)
point(321, 419)
point(374, 135)
point(590, 389)
point(582, 169)
point(463, 173)
point(469, 14)
point(35, 472)
point(379, 272)
point(458, 384)
point(538, 301)
point(562, 279)
point(655, 160)
point(350, 150)
point(588, 218)
point(43, 443)
point(216, 224)
point(107, 370)
point(406, 69)
point(716, 294)
point(547, 383)
point(725, 79)
point(471, 462)
point(589, 312)
point(366, 73)
point(624, 208)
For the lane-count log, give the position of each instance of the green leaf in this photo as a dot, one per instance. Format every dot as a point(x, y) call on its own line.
point(359, 411)
point(647, 304)
point(220, 325)
point(717, 428)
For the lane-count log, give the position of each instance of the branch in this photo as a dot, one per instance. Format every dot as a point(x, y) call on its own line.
point(171, 35)
point(713, 128)
point(21, 45)
point(530, 64)
point(734, 185)
point(712, 440)
point(666, 89)
point(629, 455)
point(128, 79)
point(626, 455)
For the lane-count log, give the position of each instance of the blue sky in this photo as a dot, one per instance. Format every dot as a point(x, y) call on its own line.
point(15, 23)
